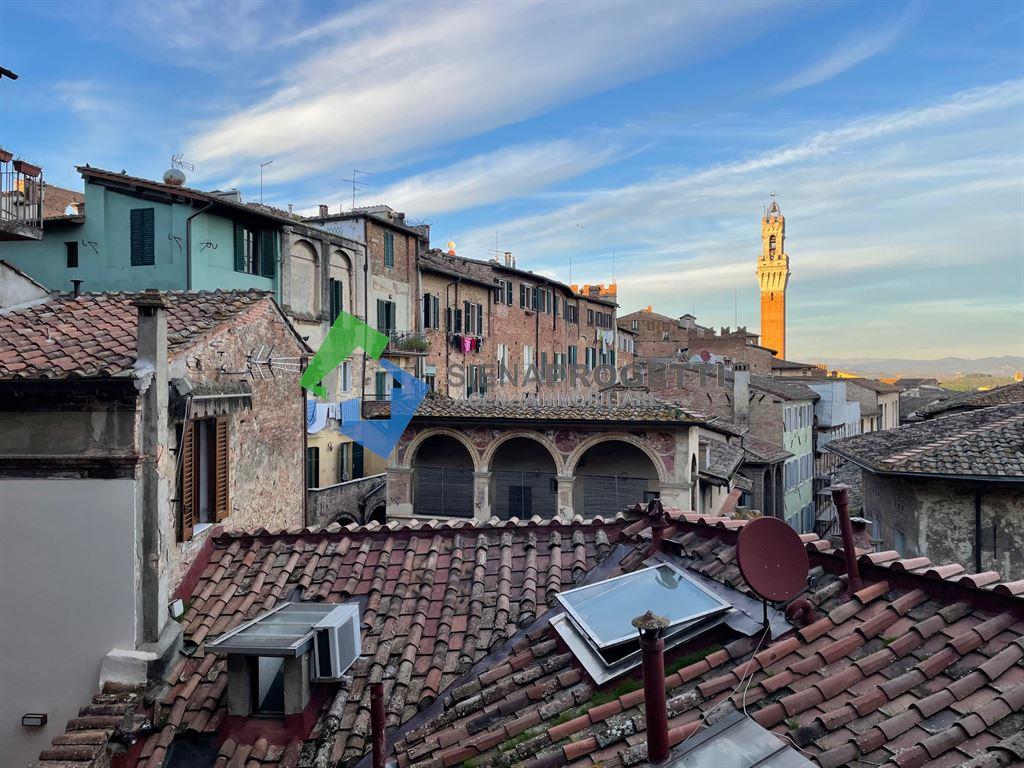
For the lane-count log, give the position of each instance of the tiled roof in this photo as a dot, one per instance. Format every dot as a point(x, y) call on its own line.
point(985, 443)
point(449, 628)
point(873, 384)
point(778, 364)
point(787, 389)
point(94, 335)
point(439, 598)
point(763, 452)
point(1004, 395)
point(443, 407)
point(57, 199)
point(725, 458)
point(897, 675)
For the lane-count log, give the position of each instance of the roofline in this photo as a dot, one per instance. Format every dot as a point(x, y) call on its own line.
point(687, 422)
point(28, 277)
point(364, 214)
point(1015, 479)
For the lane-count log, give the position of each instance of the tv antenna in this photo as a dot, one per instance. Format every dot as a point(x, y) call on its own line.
point(357, 184)
point(262, 363)
point(772, 560)
point(181, 165)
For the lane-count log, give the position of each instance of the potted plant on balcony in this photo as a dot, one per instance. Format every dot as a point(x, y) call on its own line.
point(5, 156)
point(26, 168)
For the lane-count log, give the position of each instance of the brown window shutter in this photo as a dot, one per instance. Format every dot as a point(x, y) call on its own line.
point(187, 491)
point(222, 477)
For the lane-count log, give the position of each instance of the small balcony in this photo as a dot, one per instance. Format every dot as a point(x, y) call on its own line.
point(406, 344)
point(21, 199)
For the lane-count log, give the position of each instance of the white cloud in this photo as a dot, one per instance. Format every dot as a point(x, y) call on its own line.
point(507, 173)
point(851, 52)
point(398, 78)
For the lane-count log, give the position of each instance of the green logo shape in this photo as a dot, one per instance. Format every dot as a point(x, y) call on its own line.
point(347, 334)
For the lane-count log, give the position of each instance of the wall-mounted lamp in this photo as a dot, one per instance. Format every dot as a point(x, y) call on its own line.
point(176, 608)
point(34, 720)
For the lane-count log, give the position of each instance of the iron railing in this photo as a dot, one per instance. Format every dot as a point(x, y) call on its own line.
point(408, 342)
point(21, 193)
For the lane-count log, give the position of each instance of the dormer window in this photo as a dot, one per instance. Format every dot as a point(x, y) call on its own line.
point(274, 659)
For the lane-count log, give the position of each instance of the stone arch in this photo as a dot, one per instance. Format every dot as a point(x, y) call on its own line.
point(488, 455)
point(574, 458)
point(421, 437)
point(304, 263)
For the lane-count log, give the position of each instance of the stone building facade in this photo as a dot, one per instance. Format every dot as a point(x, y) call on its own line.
point(473, 459)
point(951, 488)
point(482, 315)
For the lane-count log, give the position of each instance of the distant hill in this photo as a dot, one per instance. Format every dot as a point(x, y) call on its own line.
point(943, 368)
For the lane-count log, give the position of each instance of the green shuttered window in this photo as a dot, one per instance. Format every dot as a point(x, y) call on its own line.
point(389, 249)
point(142, 234)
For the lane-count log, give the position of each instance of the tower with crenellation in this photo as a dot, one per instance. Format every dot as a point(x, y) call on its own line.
point(773, 277)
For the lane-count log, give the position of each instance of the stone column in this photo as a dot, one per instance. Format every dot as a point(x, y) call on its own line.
point(566, 508)
point(399, 492)
point(482, 496)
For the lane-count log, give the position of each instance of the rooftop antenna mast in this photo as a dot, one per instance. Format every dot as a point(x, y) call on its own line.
point(357, 184)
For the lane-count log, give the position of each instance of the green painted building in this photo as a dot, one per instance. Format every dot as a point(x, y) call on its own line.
point(136, 234)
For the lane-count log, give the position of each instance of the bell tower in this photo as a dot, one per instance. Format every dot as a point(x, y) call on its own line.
point(772, 277)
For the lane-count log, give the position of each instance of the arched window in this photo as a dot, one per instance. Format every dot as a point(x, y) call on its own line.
point(771, 244)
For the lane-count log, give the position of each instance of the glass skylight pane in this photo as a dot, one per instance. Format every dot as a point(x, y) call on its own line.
point(604, 610)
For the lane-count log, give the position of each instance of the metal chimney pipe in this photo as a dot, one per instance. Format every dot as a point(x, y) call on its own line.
point(841, 500)
point(77, 290)
point(377, 724)
point(652, 650)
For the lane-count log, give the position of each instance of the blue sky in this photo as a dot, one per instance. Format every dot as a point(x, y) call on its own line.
point(892, 134)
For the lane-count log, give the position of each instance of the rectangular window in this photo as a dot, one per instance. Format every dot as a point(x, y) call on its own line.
point(204, 477)
point(386, 314)
point(527, 358)
point(346, 376)
point(380, 385)
point(543, 364)
point(899, 541)
point(337, 298)
point(71, 254)
point(142, 236)
point(475, 381)
point(572, 355)
point(503, 292)
point(590, 357)
point(590, 316)
point(345, 461)
point(247, 257)
point(389, 249)
point(634, 325)
point(527, 296)
point(312, 467)
point(431, 311)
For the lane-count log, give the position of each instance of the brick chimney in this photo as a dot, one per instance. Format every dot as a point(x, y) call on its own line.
point(740, 392)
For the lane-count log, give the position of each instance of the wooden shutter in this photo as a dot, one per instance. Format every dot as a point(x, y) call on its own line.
point(268, 253)
point(435, 306)
point(222, 472)
point(480, 319)
point(187, 489)
point(239, 248)
point(142, 237)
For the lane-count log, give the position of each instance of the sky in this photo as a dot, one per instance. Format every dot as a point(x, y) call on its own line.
point(639, 142)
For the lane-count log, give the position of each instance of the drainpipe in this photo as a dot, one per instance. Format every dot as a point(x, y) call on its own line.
point(188, 244)
point(977, 531)
point(652, 648)
point(841, 499)
point(377, 724)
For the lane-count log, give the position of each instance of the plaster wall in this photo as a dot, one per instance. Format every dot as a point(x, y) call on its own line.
point(67, 552)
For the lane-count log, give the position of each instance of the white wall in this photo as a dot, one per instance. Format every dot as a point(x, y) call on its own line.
point(67, 599)
point(16, 289)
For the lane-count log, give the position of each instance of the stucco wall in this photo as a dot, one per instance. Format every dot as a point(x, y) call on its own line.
point(937, 520)
point(60, 612)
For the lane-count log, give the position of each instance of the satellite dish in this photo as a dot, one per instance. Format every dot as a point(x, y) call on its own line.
point(772, 559)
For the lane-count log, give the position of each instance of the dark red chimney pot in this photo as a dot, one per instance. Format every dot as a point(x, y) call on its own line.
point(841, 500)
point(652, 650)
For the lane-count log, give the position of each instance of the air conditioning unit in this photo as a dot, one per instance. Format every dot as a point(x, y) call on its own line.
point(336, 643)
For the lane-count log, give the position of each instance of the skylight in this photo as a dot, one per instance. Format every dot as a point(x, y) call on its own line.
point(603, 611)
point(738, 741)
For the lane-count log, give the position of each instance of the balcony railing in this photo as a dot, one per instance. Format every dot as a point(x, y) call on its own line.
point(21, 199)
point(407, 343)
